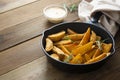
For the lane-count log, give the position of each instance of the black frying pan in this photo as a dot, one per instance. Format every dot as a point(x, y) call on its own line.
point(79, 27)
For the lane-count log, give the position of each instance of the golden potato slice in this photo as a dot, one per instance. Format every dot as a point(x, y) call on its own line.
point(77, 59)
point(70, 47)
point(83, 59)
point(82, 49)
point(74, 37)
point(93, 36)
point(63, 42)
point(94, 46)
point(100, 57)
point(91, 52)
point(76, 42)
point(87, 57)
point(61, 54)
point(70, 31)
point(55, 56)
point(64, 49)
point(98, 38)
point(86, 37)
point(57, 36)
point(106, 47)
point(97, 53)
point(49, 45)
point(57, 50)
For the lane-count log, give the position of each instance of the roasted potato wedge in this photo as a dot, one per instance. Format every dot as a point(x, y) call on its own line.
point(103, 55)
point(57, 36)
point(82, 49)
point(74, 37)
point(86, 37)
point(91, 52)
point(87, 57)
point(64, 49)
point(61, 54)
point(93, 36)
point(77, 59)
point(98, 38)
point(57, 50)
point(55, 56)
point(106, 47)
point(63, 42)
point(70, 47)
point(70, 31)
point(97, 53)
point(49, 45)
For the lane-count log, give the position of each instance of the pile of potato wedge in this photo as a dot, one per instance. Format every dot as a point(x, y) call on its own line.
point(77, 48)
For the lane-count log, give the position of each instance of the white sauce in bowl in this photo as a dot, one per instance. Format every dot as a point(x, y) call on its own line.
point(55, 14)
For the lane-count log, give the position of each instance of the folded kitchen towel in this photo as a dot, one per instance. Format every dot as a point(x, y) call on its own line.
point(110, 10)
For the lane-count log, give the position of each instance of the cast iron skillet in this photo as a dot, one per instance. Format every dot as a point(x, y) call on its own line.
point(80, 28)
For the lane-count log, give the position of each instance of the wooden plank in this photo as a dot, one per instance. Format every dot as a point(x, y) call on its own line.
point(27, 30)
point(20, 55)
point(20, 34)
point(26, 12)
point(21, 14)
point(6, 5)
point(32, 26)
point(12, 52)
point(26, 52)
point(40, 69)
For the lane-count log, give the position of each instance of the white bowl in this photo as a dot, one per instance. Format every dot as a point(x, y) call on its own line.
point(55, 13)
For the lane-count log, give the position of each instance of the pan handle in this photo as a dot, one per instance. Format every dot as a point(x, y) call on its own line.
point(94, 20)
point(96, 17)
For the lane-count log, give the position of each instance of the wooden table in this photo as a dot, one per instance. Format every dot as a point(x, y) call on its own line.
point(21, 58)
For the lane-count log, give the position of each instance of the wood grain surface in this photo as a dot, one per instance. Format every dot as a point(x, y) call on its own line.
point(21, 57)
point(110, 70)
point(40, 69)
point(17, 31)
point(24, 26)
point(6, 5)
